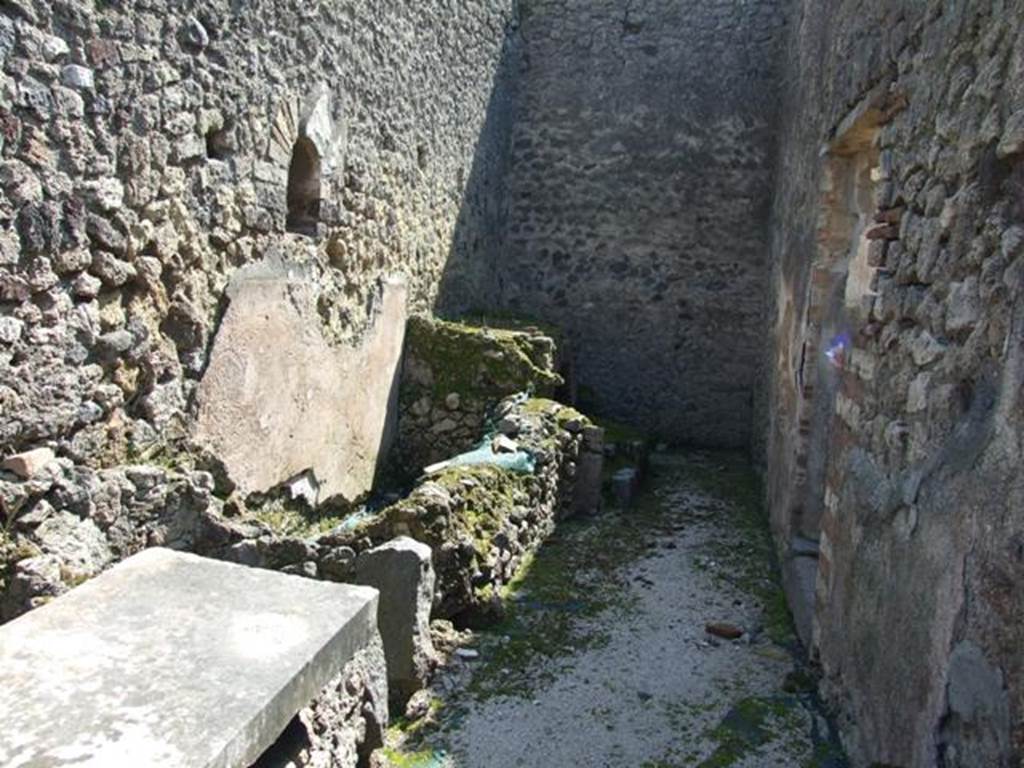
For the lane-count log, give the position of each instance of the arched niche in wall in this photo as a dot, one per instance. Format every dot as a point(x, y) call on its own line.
point(307, 141)
point(304, 188)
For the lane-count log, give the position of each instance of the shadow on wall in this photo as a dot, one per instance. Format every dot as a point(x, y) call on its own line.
point(633, 204)
point(469, 283)
point(837, 301)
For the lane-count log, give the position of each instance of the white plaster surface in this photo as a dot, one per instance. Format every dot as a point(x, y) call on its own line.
point(278, 398)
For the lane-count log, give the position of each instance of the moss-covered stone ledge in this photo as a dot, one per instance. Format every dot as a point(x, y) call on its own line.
point(454, 374)
point(68, 523)
point(482, 520)
point(479, 520)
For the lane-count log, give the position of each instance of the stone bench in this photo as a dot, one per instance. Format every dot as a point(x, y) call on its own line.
point(169, 659)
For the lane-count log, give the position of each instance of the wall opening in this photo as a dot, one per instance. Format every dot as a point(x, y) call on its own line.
point(837, 306)
point(304, 188)
point(840, 296)
point(220, 142)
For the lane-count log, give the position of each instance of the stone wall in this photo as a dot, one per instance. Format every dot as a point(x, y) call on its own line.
point(898, 246)
point(453, 375)
point(482, 520)
point(479, 520)
point(150, 150)
point(638, 203)
point(344, 724)
point(72, 522)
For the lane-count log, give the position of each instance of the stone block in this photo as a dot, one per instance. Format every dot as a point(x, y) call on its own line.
point(401, 570)
point(169, 659)
point(75, 76)
point(589, 469)
point(625, 484)
point(79, 544)
point(799, 576)
point(28, 464)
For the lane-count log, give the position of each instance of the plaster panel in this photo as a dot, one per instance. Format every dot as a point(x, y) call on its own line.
point(278, 399)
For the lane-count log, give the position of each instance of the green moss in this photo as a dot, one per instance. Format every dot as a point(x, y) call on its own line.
point(563, 414)
point(540, 405)
point(427, 758)
point(485, 499)
point(294, 519)
point(488, 500)
point(751, 724)
point(556, 588)
point(619, 433)
point(13, 549)
point(73, 579)
point(828, 754)
point(567, 414)
point(404, 741)
point(506, 321)
point(402, 728)
point(800, 681)
point(778, 621)
point(479, 363)
point(172, 457)
point(6, 557)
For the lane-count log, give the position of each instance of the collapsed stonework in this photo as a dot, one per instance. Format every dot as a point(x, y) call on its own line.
point(793, 225)
point(480, 520)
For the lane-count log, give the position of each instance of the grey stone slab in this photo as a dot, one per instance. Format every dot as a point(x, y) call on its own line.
point(402, 571)
point(799, 575)
point(169, 659)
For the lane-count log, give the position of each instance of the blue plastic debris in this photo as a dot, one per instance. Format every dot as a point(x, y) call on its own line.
point(517, 461)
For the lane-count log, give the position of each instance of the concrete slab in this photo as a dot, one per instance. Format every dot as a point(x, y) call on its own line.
point(173, 660)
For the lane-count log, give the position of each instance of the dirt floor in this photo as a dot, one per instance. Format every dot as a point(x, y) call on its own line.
point(605, 659)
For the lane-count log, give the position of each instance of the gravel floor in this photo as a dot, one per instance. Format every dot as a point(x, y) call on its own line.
point(638, 681)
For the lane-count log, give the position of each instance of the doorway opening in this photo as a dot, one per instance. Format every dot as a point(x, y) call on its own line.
point(837, 306)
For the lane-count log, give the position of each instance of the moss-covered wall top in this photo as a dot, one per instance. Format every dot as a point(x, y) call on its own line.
point(452, 377)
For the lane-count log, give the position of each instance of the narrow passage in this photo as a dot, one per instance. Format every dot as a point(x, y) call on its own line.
point(616, 649)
